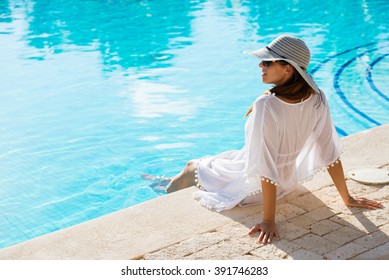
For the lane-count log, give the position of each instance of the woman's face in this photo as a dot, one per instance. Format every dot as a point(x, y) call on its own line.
point(276, 73)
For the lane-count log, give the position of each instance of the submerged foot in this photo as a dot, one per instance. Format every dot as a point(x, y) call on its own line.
point(159, 188)
point(160, 183)
point(155, 178)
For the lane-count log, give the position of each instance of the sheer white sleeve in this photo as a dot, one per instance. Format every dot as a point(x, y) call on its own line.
point(322, 148)
point(328, 140)
point(262, 143)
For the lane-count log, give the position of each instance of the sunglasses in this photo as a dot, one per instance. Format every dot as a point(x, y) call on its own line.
point(266, 63)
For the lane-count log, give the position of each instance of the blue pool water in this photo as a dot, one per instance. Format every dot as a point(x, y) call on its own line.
point(95, 93)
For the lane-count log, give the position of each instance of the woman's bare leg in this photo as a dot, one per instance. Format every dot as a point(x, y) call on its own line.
point(185, 179)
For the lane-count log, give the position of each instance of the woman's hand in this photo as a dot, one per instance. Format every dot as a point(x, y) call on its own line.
point(336, 172)
point(268, 232)
point(362, 202)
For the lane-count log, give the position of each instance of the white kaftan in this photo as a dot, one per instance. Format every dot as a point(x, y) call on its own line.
point(284, 142)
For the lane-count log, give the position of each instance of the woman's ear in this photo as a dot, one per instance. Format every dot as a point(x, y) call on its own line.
point(289, 68)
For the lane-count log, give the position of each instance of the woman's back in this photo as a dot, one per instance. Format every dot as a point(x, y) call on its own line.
point(295, 123)
point(286, 142)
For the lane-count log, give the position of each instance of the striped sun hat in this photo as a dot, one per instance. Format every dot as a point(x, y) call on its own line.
point(290, 49)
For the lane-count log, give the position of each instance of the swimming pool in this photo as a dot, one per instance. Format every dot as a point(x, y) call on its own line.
point(96, 93)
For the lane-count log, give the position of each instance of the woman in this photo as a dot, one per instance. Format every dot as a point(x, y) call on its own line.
point(289, 134)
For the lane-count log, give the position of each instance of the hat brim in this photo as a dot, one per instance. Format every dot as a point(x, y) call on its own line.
point(266, 55)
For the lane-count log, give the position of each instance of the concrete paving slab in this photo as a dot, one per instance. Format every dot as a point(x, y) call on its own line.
point(378, 253)
point(345, 252)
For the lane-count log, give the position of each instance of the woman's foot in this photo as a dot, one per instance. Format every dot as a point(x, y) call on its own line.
point(155, 178)
point(160, 183)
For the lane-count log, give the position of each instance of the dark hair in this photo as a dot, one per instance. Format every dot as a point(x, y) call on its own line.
point(296, 88)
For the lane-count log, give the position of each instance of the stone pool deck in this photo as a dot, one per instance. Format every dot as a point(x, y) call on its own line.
point(313, 223)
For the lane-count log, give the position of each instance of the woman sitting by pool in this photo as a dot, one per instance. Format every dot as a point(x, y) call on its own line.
point(289, 134)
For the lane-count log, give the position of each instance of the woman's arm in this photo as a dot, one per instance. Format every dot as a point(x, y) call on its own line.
point(336, 172)
point(267, 228)
point(269, 202)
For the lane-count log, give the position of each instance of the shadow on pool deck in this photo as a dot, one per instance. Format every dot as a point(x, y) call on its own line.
point(312, 226)
point(313, 223)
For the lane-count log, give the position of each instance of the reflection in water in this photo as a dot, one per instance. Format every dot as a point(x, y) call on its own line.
point(5, 12)
point(127, 33)
point(152, 100)
point(323, 18)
